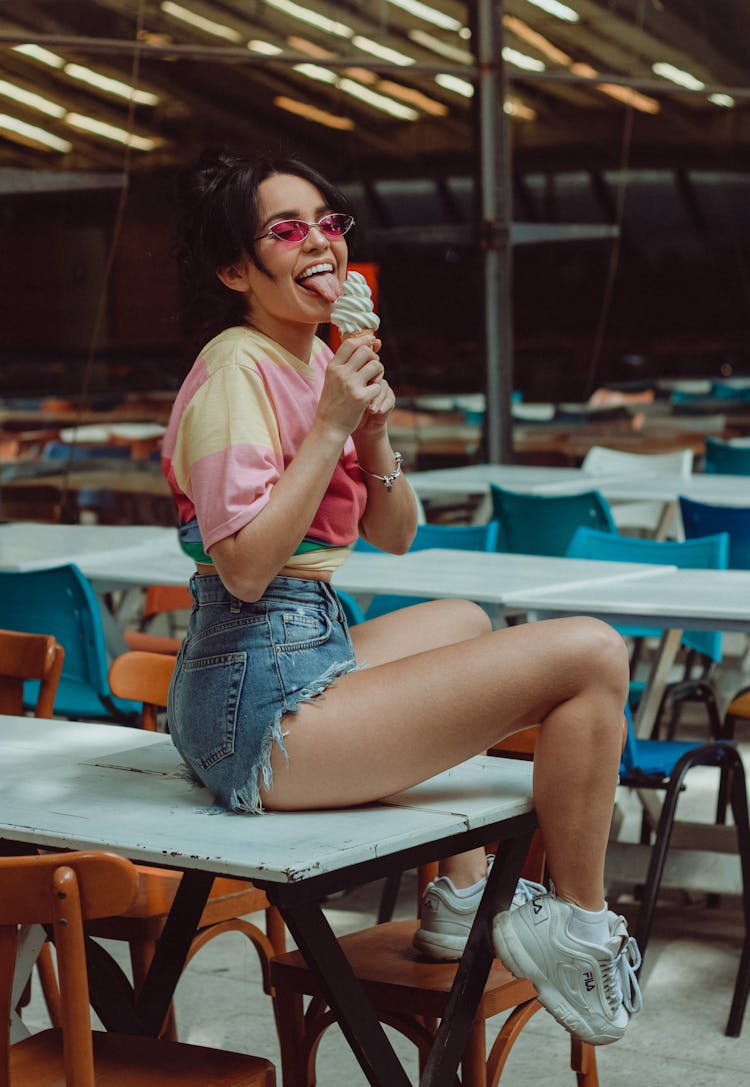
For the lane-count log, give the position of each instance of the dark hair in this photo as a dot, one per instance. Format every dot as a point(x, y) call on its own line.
point(219, 225)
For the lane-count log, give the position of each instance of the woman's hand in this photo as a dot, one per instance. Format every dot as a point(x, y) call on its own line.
point(375, 420)
point(354, 390)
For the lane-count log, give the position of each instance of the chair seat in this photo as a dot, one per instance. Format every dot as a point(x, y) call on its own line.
point(658, 757)
point(128, 1061)
point(75, 698)
point(397, 978)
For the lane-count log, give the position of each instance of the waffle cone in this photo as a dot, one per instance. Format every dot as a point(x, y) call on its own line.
point(359, 332)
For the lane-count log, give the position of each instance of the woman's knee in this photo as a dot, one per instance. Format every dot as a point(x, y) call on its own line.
point(603, 654)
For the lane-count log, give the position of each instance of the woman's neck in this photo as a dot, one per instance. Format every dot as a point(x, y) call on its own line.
point(295, 338)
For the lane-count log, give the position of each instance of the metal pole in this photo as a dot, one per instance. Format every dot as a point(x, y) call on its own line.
point(496, 215)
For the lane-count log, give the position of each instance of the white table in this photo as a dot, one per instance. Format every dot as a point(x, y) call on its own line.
point(674, 600)
point(66, 785)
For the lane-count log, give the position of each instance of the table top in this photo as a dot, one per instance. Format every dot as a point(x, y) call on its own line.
point(31, 546)
point(59, 780)
point(685, 599)
point(617, 486)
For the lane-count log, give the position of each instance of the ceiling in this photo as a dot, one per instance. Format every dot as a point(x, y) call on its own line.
point(582, 88)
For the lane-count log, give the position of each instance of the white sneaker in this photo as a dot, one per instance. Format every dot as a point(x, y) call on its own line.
point(447, 917)
point(591, 990)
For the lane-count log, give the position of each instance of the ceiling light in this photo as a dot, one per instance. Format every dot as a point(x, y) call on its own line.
point(312, 113)
point(514, 107)
point(185, 15)
point(428, 14)
point(109, 132)
point(14, 127)
point(305, 15)
point(724, 100)
point(378, 101)
point(630, 97)
point(362, 75)
point(453, 83)
point(33, 101)
point(562, 11)
point(521, 60)
point(367, 45)
point(443, 49)
point(45, 56)
point(676, 75)
point(532, 37)
point(579, 68)
point(314, 71)
point(302, 45)
point(111, 86)
point(415, 97)
point(267, 48)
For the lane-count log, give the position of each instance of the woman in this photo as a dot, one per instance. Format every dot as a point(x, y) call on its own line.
point(279, 457)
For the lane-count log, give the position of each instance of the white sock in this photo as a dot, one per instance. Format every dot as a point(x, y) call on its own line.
point(467, 892)
point(591, 926)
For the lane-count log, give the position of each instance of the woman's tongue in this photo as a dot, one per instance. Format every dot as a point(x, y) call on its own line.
point(323, 283)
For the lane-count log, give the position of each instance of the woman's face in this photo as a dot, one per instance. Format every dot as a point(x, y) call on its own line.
point(299, 280)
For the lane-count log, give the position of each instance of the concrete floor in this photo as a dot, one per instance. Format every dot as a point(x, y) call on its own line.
point(677, 1041)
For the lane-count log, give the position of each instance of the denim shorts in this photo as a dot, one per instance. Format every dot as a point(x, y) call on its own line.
point(241, 667)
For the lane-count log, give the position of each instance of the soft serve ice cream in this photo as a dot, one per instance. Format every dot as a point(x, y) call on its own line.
point(353, 312)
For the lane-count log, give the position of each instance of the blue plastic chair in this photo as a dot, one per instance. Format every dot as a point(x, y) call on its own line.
point(700, 518)
point(662, 764)
point(352, 610)
point(724, 390)
point(706, 553)
point(70, 451)
point(455, 537)
point(723, 458)
point(61, 602)
point(532, 524)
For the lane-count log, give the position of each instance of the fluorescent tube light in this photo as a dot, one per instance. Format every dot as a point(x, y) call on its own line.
point(367, 45)
point(724, 100)
point(561, 11)
point(521, 60)
point(110, 85)
point(185, 15)
point(267, 48)
point(312, 113)
point(44, 56)
point(676, 75)
point(12, 126)
point(378, 101)
point(33, 101)
point(443, 49)
point(532, 37)
point(313, 18)
point(428, 14)
point(109, 132)
point(453, 83)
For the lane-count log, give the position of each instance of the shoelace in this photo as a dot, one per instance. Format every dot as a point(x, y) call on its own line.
point(619, 976)
point(525, 890)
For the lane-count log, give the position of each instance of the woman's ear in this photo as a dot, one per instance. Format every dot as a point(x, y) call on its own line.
point(235, 276)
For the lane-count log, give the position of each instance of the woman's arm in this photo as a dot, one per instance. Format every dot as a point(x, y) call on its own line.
point(252, 557)
point(390, 518)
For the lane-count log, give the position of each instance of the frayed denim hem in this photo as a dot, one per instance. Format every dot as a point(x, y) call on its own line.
point(247, 799)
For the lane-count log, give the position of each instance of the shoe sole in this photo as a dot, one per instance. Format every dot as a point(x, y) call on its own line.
point(437, 948)
point(516, 959)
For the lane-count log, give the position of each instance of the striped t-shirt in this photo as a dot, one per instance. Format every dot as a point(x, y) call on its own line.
point(238, 420)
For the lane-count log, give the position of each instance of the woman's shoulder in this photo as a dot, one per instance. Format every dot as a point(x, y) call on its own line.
point(234, 346)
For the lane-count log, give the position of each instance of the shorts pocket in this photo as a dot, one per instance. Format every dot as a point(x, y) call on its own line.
point(306, 628)
point(206, 702)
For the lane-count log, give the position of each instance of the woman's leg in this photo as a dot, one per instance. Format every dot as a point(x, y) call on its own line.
point(411, 714)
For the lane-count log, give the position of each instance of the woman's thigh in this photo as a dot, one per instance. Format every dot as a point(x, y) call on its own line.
point(424, 702)
point(415, 629)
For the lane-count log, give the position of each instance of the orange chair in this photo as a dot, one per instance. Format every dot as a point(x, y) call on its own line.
point(410, 994)
point(29, 657)
point(145, 677)
point(64, 890)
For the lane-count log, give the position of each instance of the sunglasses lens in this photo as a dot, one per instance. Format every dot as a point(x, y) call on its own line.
point(291, 230)
point(335, 225)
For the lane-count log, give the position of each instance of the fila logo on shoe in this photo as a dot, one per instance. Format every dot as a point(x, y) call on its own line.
point(589, 983)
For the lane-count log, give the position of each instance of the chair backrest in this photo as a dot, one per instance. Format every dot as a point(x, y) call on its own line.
point(75, 451)
point(143, 677)
point(352, 610)
point(702, 519)
point(63, 890)
point(545, 524)
point(706, 553)
point(456, 537)
point(600, 460)
point(24, 657)
point(32, 502)
point(60, 601)
point(481, 537)
point(723, 458)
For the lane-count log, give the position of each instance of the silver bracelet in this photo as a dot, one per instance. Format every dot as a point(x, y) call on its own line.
point(387, 480)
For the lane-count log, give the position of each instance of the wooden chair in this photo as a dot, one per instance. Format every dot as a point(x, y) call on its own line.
point(146, 676)
point(64, 890)
point(410, 994)
point(29, 657)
